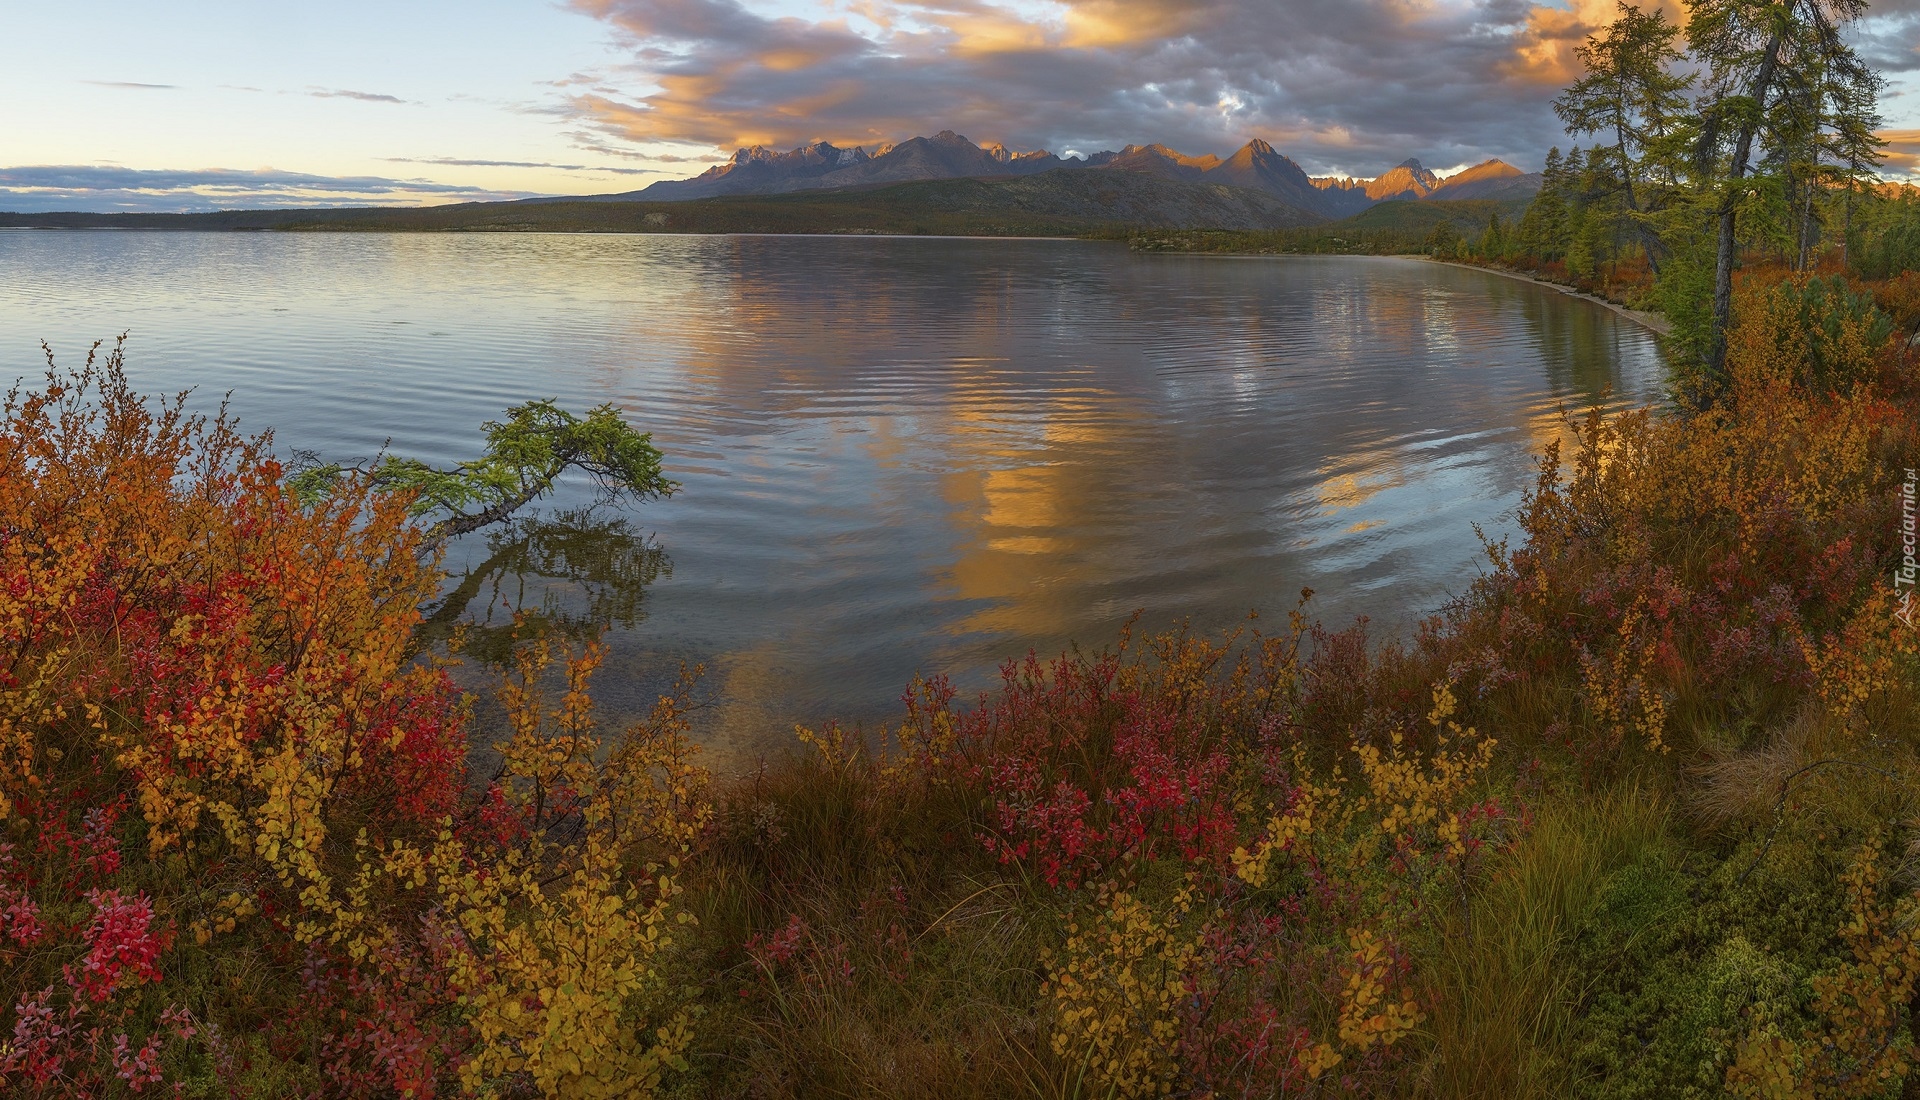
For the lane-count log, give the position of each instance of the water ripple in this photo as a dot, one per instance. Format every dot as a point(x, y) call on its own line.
point(897, 454)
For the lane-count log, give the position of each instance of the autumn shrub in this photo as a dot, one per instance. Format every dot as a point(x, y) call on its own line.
point(1899, 299)
point(1094, 765)
point(1633, 817)
point(1819, 331)
point(1293, 864)
point(240, 853)
point(1116, 989)
point(1706, 571)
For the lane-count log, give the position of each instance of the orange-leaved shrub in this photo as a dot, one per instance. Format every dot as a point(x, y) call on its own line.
point(1711, 569)
point(239, 853)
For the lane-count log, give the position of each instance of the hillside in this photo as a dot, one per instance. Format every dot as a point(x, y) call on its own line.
point(1099, 197)
point(1059, 202)
point(1407, 180)
point(1467, 215)
point(1491, 179)
point(1390, 228)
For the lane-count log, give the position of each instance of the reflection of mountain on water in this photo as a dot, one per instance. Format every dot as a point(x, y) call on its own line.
point(911, 456)
point(1580, 349)
point(897, 455)
point(577, 572)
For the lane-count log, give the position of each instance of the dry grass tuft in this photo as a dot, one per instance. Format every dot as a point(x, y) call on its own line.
point(1742, 786)
point(1504, 1011)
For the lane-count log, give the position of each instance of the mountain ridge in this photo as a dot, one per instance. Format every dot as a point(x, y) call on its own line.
point(1255, 166)
point(1062, 202)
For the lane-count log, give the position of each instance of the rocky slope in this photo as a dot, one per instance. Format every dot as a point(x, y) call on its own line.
point(1107, 196)
point(1156, 160)
point(1492, 179)
point(1406, 180)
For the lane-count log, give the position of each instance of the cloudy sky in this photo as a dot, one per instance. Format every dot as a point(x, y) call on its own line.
point(128, 104)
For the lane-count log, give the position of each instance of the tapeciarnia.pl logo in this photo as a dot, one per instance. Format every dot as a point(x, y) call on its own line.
point(1909, 570)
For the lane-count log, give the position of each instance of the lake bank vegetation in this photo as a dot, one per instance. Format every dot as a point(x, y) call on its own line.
point(1634, 817)
point(1746, 141)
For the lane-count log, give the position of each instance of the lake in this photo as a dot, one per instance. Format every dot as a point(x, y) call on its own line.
point(896, 454)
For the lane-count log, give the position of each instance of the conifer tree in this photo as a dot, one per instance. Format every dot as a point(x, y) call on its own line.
point(1629, 94)
point(1766, 62)
point(1547, 212)
point(1493, 243)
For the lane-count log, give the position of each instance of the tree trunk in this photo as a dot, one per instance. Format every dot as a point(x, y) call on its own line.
point(462, 524)
point(1846, 224)
point(1649, 243)
point(1726, 254)
point(1807, 232)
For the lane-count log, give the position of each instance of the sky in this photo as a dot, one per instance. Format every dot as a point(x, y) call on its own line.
point(211, 104)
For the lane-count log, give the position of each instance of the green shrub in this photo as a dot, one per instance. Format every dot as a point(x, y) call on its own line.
point(1891, 252)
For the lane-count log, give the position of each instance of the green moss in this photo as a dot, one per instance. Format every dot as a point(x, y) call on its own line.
point(1681, 956)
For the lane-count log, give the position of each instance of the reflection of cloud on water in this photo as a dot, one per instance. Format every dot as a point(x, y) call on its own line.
point(903, 457)
point(1358, 479)
point(1059, 481)
point(1021, 500)
point(1030, 492)
point(1384, 516)
point(751, 696)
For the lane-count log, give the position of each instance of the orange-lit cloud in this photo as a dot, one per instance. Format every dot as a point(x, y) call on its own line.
point(1341, 85)
point(1902, 151)
point(1355, 85)
point(1108, 24)
point(1544, 47)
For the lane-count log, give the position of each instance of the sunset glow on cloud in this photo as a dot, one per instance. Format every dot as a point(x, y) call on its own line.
point(1340, 84)
point(231, 103)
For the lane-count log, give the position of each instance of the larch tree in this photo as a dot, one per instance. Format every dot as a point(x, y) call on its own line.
point(1771, 65)
point(1631, 94)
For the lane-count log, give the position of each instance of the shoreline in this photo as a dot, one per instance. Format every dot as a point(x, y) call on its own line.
point(1652, 321)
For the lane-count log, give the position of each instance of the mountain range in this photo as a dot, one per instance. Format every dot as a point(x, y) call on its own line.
point(1255, 166)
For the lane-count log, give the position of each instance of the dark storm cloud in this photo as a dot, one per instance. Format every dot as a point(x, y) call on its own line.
point(1350, 84)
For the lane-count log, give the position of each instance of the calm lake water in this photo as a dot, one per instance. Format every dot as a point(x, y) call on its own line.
point(897, 455)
